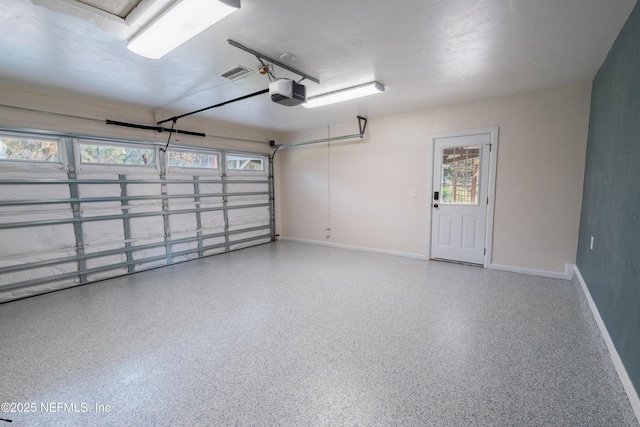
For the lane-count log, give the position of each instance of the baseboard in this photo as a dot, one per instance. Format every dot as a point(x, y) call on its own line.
point(631, 391)
point(567, 275)
point(355, 248)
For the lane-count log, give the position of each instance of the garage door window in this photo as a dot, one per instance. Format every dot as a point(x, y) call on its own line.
point(29, 149)
point(236, 162)
point(193, 159)
point(111, 154)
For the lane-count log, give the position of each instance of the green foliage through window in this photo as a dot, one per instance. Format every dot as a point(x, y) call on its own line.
point(35, 150)
point(190, 159)
point(116, 155)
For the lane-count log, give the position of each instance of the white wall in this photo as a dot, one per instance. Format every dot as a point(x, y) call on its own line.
point(362, 188)
point(36, 99)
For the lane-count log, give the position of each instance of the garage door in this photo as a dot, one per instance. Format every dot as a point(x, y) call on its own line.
point(74, 210)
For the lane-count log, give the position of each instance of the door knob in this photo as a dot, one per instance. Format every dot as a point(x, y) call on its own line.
point(435, 205)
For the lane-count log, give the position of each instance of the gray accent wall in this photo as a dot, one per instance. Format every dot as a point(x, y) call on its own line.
point(611, 199)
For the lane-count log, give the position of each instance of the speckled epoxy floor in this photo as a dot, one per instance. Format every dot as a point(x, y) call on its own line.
point(289, 334)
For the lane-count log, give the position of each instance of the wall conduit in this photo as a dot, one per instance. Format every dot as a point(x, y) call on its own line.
point(362, 126)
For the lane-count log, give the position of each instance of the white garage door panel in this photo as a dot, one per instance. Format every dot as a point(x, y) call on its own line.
point(182, 222)
point(26, 241)
point(115, 219)
point(182, 204)
point(175, 189)
point(13, 214)
point(33, 192)
point(144, 190)
point(35, 256)
point(246, 218)
point(12, 294)
point(184, 247)
point(106, 260)
point(211, 203)
point(210, 188)
point(241, 239)
point(37, 273)
point(213, 241)
point(216, 251)
point(100, 209)
point(243, 236)
point(101, 262)
point(247, 187)
point(247, 200)
point(151, 264)
point(152, 226)
point(101, 233)
point(212, 221)
point(141, 254)
point(103, 190)
point(119, 247)
point(92, 277)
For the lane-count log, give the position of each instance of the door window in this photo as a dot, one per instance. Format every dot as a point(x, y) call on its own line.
point(460, 175)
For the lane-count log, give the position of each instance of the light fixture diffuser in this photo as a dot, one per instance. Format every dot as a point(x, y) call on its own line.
point(344, 94)
point(181, 22)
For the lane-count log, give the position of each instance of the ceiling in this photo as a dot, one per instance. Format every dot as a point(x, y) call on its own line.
point(426, 52)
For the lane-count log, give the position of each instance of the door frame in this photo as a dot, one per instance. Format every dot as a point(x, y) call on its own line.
point(491, 191)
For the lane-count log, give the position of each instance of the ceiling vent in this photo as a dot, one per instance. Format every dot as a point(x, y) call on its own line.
point(236, 73)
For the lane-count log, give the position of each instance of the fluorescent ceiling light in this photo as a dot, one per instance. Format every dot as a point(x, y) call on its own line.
point(181, 22)
point(344, 94)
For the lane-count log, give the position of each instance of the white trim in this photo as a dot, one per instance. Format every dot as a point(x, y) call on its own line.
point(567, 275)
point(493, 159)
point(493, 162)
point(632, 393)
point(355, 248)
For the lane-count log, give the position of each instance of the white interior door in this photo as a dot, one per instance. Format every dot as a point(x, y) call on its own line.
point(460, 197)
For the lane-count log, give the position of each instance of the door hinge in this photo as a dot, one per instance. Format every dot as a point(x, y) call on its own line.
point(485, 251)
point(487, 200)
